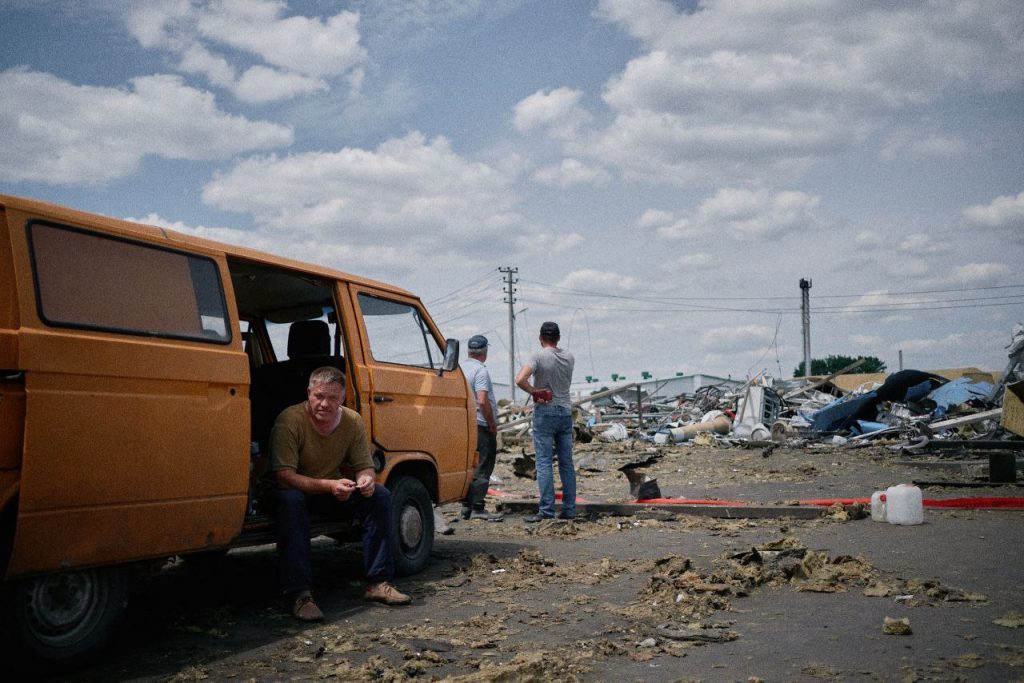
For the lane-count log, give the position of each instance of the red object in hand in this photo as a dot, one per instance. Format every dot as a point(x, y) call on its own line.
point(542, 395)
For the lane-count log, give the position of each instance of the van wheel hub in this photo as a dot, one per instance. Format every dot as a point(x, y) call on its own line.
point(57, 604)
point(410, 526)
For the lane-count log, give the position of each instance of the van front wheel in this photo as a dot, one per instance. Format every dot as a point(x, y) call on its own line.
point(63, 616)
point(412, 525)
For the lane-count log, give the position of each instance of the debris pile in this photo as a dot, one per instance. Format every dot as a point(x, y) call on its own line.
point(915, 407)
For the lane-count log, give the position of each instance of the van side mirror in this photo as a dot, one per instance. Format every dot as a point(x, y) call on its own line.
point(451, 356)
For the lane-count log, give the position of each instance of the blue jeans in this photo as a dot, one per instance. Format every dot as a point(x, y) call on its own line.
point(293, 542)
point(552, 435)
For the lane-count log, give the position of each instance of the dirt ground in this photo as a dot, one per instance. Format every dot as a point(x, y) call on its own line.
point(649, 597)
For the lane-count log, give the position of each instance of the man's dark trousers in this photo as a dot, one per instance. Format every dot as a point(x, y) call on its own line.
point(487, 449)
point(293, 542)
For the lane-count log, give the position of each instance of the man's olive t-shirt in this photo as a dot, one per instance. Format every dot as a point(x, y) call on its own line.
point(295, 444)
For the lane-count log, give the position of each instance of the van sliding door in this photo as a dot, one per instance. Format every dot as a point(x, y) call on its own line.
point(136, 432)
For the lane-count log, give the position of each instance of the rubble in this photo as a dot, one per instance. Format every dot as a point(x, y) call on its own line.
point(910, 411)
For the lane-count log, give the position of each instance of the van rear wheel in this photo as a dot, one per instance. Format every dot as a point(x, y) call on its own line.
point(63, 616)
point(412, 525)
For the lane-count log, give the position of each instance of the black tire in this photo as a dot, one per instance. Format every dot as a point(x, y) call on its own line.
point(61, 617)
point(412, 525)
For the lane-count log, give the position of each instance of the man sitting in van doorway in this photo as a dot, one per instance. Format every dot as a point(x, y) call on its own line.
point(311, 445)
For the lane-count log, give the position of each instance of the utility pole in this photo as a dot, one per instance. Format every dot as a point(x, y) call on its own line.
point(805, 310)
point(510, 299)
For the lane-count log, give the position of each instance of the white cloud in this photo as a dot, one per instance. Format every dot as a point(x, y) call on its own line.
point(920, 352)
point(571, 172)
point(357, 259)
point(598, 280)
point(868, 239)
point(666, 226)
point(693, 261)
point(1005, 212)
point(262, 84)
point(743, 214)
point(407, 188)
point(783, 85)
point(979, 273)
point(557, 112)
point(925, 145)
point(59, 133)
point(739, 338)
point(298, 54)
point(877, 300)
point(195, 59)
point(923, 243)
point(654, 217)
point(304, 45)
point(536, 241)
point(754, 214)
point(907, 267)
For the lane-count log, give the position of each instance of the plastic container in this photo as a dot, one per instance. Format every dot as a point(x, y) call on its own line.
point(878, 506)
point(904, 504)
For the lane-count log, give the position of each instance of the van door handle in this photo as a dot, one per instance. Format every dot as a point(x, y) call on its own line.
point(382, 399)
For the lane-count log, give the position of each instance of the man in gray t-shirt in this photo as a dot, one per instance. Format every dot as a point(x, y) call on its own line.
point(546, 377)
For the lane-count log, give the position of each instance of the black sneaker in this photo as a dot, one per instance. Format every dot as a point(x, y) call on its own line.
point(533, 519)
point(466, 512)
point(487, 516)
point(562, 515)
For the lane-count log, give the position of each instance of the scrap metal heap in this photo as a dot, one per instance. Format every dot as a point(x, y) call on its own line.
point(914, 409)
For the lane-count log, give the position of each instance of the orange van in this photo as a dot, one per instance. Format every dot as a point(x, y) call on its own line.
point(140, 373)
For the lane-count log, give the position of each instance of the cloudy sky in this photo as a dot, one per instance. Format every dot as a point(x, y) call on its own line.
point(662, 174)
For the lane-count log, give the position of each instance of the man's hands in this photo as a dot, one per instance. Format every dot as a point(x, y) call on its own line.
point(342, 489)
point(542, 396)
point(365, 482)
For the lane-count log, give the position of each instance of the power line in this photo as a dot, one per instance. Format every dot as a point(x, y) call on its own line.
point(773, 311)
point(584, 292)
point(435, 302)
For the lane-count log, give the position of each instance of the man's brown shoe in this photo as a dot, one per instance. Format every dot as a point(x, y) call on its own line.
point(386, 593)
point(305, 609)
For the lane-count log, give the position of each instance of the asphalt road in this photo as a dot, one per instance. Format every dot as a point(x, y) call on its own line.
point(651, 597)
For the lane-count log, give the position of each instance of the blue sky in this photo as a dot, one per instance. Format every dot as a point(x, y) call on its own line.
point(662, 174)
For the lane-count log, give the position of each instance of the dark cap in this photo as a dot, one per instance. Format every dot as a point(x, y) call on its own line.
point(550, 329)
point(477, 342)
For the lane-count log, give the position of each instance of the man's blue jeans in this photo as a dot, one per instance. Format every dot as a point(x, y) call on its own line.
point(293, 542)
point(552, 436)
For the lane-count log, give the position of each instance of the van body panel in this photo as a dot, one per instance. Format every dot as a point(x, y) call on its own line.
point(12, 390)
point(132, 444)
point(101, 535)
point(8, 349)
point(181, 481)
point(12, 425)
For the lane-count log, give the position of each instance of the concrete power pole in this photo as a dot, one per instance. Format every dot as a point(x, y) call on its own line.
point(805, 311)
point(510, 299)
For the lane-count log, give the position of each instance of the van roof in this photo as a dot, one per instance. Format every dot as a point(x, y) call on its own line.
point(60, 213)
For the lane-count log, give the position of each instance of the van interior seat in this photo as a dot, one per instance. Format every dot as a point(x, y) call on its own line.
point(275, 386)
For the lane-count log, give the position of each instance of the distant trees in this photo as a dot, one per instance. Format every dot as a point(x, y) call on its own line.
point(830, 364)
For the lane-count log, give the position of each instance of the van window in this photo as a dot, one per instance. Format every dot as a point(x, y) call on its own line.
point(91, 281)
point(398, 334)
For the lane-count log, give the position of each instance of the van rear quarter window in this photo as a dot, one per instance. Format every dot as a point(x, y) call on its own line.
point(91, 281)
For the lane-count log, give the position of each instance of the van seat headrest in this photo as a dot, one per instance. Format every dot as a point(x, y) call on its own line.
point(309, 338)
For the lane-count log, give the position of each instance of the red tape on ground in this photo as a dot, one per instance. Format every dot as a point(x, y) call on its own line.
point(981, 503)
